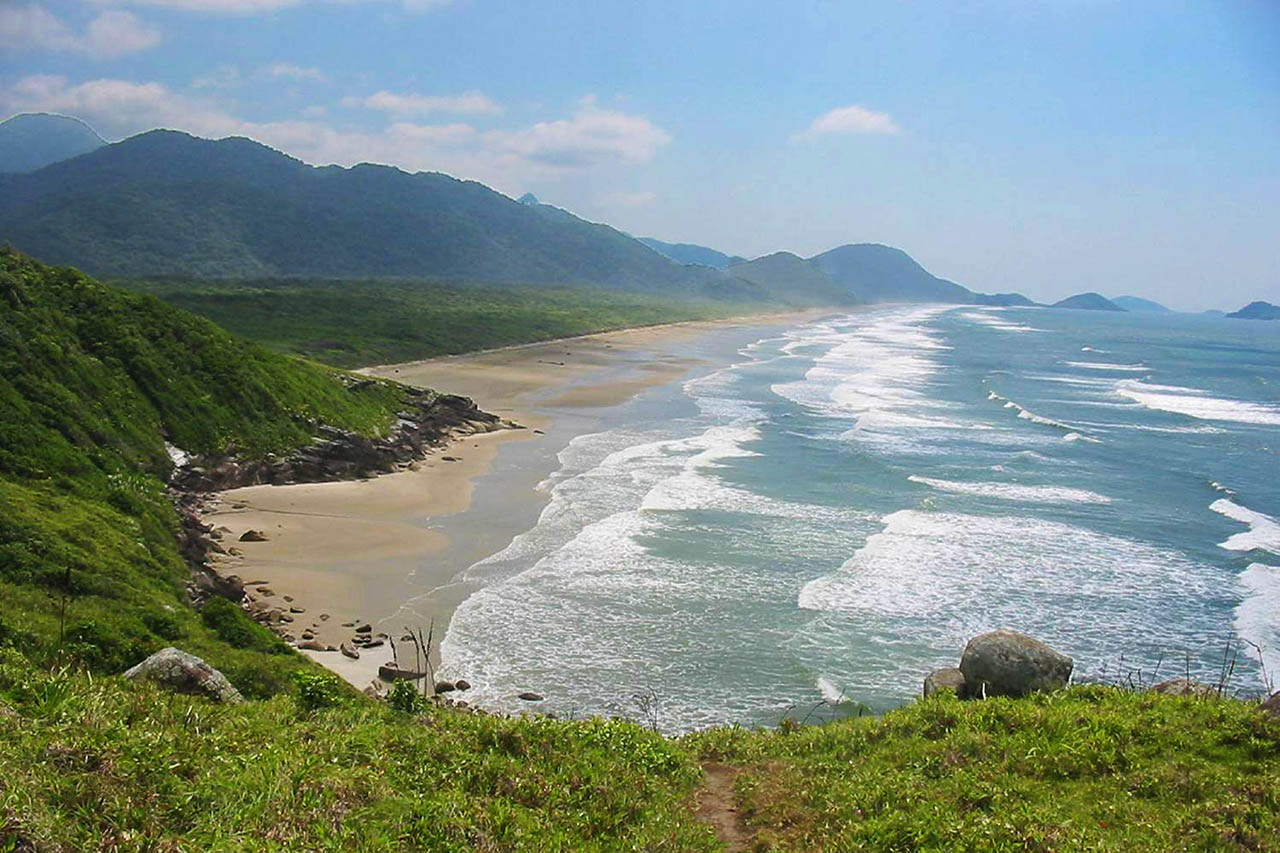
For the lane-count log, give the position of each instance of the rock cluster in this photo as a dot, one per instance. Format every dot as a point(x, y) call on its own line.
point(181, 672)
point(1002, 663)
point(336, 454)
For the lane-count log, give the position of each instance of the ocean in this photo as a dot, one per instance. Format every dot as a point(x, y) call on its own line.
point(818, 517)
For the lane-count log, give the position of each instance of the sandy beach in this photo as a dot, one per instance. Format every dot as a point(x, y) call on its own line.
point(341, 555)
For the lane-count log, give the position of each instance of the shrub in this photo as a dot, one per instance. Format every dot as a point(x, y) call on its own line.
point(317, 690)
point(404, 697)
point(235, 628)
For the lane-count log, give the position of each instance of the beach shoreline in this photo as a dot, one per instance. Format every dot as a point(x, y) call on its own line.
point(338, 556)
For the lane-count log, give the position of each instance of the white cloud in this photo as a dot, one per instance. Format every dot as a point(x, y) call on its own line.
point(591, 136)
point(468, 103)
point(852, 119)
point(295, 72)
point(506, 159)
point(112, 33)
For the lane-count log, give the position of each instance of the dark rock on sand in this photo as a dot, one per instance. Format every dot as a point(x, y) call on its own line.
point(181, 672)
point(253, 536)
point(391, 672)
point(1008, 663)
point(349, 652)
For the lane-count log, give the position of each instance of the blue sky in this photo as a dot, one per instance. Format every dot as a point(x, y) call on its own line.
point(1045, 147)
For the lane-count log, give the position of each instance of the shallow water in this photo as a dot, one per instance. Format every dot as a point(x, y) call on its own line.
point(837, 509)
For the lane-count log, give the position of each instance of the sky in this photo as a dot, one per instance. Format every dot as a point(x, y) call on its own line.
point(1041, 146)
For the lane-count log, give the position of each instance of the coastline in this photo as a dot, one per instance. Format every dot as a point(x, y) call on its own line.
point(342, 555)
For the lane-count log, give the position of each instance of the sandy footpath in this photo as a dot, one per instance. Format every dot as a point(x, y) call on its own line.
point(340, 555)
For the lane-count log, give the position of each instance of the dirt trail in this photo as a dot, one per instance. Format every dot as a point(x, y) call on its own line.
point(716, 807)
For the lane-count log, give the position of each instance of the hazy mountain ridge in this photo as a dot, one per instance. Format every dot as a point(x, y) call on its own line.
point(1088, 302)
point(168, 204)
point(30, 141)
point(1139, 305)
point(1257, 311)
point(692, 253)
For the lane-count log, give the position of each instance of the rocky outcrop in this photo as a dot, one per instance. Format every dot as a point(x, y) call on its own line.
point(1185, 687)
point(946, 680)
point(1271, 705)
point(180, 672)
point(1008, 663)
point(430, 420)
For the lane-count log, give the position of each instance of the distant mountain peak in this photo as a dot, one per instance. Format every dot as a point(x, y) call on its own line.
point(1137, 304)
point(529, 199)
point(1088, 302)
point(1257, 311)
point(691, 253)
point(31, 141)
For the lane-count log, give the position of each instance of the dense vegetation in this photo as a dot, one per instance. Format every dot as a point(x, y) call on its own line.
point(354, 323)
point(1090, 768)
point(165, 203)
point(107, 765)
point(93, 381)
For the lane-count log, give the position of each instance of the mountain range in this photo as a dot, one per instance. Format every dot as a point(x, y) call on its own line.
point(166, 204)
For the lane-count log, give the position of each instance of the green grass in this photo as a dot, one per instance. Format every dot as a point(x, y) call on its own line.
point(93, 380)
point(1092, 768)
point(101, 763)
point(356, 323)
point(97, 765)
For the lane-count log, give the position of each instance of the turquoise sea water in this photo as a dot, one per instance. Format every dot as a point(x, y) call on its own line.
point(832, 511)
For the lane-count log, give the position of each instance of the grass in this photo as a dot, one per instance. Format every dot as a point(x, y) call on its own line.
point(92, 763)
point(1091, 768)
point(93, 381)
point(355, 323)
point(106, 765)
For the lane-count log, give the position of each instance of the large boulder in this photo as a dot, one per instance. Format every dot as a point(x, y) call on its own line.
point(1271, 705)
point(948, 680)
point(180, 672)
point(1007, 663)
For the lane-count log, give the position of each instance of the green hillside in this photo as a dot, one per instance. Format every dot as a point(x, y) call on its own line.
point(164, 203)
point(355, 323)
point(93, 381)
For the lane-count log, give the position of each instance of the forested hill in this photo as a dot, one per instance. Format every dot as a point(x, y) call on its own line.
point(167, 203)
point(93, 381)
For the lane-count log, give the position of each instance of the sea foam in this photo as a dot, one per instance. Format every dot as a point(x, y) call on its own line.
point(1196, 403)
